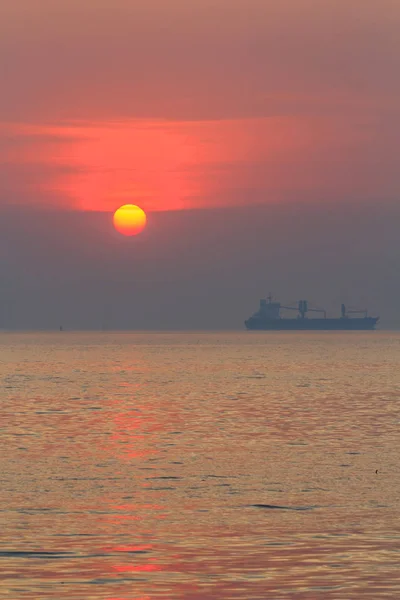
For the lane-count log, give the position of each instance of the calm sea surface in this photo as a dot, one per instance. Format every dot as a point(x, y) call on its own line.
point(200, 466)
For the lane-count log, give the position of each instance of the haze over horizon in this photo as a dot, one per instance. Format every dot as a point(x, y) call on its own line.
point(260, 137)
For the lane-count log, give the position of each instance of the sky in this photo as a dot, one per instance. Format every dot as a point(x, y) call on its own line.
point(261, 137)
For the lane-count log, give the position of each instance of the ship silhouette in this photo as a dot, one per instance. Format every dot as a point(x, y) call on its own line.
point(268, 318)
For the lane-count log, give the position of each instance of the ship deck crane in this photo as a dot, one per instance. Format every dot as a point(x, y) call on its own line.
point(345, 312)
point(302, 308)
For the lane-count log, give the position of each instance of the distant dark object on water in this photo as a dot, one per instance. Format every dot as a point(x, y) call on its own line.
point(279, 507)
point(268, 318)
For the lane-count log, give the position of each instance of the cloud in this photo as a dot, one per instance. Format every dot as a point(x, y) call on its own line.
point(166, 165)
point(187, 104)
point(30, 171)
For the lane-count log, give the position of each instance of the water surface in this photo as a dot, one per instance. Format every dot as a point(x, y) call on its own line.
point(199, 466)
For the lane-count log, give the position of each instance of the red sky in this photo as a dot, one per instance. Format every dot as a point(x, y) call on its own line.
point(279, 118)
point(176, 104)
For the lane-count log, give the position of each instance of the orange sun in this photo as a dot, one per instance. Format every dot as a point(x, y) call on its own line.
point(129, 219)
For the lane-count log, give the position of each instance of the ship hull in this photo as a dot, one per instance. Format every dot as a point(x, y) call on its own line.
point(346, 324)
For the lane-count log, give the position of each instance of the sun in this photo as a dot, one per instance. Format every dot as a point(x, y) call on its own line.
point(129, 219)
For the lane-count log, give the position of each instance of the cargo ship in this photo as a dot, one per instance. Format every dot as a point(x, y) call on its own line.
point(268, 318)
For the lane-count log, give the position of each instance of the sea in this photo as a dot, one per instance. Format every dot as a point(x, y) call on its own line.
point(200, 465)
